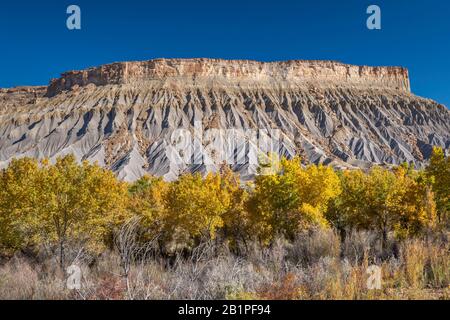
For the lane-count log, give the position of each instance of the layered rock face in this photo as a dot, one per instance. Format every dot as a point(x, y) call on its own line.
point(250, 74)
point(166, 117)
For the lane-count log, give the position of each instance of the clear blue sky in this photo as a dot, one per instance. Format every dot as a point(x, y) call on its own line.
point(35, 44)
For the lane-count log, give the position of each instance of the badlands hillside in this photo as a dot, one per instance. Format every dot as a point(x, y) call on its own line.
point(136, 117)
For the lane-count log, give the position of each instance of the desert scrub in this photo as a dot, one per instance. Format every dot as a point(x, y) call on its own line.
point(238, 293)
point(420, 271)
point(438, 266)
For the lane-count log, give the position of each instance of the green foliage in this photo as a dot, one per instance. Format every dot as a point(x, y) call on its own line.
point(147, 202)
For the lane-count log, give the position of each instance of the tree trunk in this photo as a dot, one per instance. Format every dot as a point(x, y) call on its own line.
point(384, 240)
point(342, 236)
point(61, 255)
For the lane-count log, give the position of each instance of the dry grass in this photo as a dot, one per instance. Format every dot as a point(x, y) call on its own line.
point(315, 266)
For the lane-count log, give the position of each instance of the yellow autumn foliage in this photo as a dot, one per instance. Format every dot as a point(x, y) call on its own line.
point(55, 204)
point(385, 200)
point(195, 207)
point(71, 202)
point(292, 199)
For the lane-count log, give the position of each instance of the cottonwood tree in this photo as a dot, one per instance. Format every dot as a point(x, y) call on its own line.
point(147, 202)
point(60, 203)
point(236, 219)
point(79, 203)
point(372, 201)
point(195, 207)
point(384, 200)
point(292, 199)
point(19, 199)
point(439, 172)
